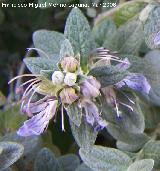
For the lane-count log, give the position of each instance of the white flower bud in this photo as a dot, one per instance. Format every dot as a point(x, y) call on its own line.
point(57, 77)
point(70, 79)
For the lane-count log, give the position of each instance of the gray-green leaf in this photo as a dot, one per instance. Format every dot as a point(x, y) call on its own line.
point(74, 113)
point(151, 150)
point(36, 64)
point(69, 162)
point(66, 49)
point(49, 42)
point(142, 165)
point(152, 26)
point(108, 75)
point(84, 135)
point(46, 161)
point(102, 158)
point(10, 154)
point(102, 30)
point(77, 31)
point(128, 38)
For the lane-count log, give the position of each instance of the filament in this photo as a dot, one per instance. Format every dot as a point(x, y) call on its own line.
point(24, 75)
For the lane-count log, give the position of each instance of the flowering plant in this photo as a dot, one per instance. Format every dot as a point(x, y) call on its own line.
point(95, 80)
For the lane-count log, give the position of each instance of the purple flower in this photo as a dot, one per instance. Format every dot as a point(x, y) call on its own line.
point(157, 39)
point(37, 124)
point(90, 87)
point(92, 114)
point(136, 82)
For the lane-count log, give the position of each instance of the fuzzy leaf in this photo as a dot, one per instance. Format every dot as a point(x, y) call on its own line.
point(142, 165)
point(126, 12)
point(36, 64)
point(10, 120)
point(69, 162)
point(108, 75)
point(74, 113)
point(151, 70)
point(31, 144)
point(127, 147)
point(152, 26)
point(126, 137)
point(102, 30)
point(46, 161)
point(84, 134)
point(131, 121)
point(102, 158)
point(10, 154)
point(49, 42)
point(83, 167)
point(77, 31)
point(66, 49)
point(152, 150)
point(128, 38)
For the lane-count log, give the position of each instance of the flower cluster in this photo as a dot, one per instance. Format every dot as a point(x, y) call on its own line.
point(70, 86)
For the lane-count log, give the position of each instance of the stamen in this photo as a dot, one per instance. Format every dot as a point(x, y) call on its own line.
point(24, 75)
point(121, 61)
point(126, 106)
point(34, 79)
point(127, 97)
point(62, 115)
point(26, 91)
point(117, 109)
point(38, 50)
point(29, 101)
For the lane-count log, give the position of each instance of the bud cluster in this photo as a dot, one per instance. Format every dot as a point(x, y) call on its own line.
point(67, 76)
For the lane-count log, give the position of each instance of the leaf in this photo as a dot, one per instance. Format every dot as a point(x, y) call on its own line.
point(49, 42)
point(66, 49)
point(36, 64)
point(46, 161)
point(83, 167)
point(151, 150)
point(136, 62)
point(102, 30)
point(142, 165)
point(77, 31)
point(84, 134)
point(102, 158)
point(47, 73)
point(126, 12)
point(69, 162)
point(152, 26)
point(127, 137)
point(151, 114)
point(151, 70)
point(10, 120)
point(74, 113)
point(108, 75)
point(127, 147)
point(48, 143)
point(10, 154)
point(130, 121)
point(128, 38)
point(32, 146)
